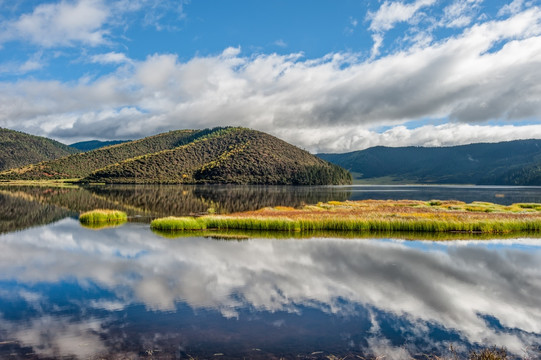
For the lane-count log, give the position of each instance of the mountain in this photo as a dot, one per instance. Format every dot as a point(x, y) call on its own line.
point(228, 156)
point(20, 149)
point(219, 155)
point(83, 164)
point(95, 144)
point(506, 163)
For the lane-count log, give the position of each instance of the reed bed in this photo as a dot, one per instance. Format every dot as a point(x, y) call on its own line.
point(103, 216)
point(374, 216)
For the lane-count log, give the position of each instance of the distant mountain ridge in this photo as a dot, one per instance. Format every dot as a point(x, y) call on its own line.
point(19, 149)
point(506, 163)
point(95, 144)
point(219, 155)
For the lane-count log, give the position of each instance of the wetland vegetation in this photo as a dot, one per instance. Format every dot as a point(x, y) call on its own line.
point(103, 216)
point(373, 216)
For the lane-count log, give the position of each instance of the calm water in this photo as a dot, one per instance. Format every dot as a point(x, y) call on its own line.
point(126, 292)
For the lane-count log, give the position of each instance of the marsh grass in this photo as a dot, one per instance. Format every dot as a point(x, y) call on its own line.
point(172, 223)
point(103, 216)
point(371, 216)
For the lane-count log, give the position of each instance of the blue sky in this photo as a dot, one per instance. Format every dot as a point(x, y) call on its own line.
point(325, 75)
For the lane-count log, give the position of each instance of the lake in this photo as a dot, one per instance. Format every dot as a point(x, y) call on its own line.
point(125, 292)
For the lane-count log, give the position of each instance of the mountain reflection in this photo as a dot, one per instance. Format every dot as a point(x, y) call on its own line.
point(485, 293)
point(25, 206)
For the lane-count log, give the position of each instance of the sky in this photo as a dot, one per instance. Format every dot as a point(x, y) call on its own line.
point(325, 75)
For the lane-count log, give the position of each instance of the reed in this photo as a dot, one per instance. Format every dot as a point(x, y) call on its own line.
point(374, 216)
point(103, 216)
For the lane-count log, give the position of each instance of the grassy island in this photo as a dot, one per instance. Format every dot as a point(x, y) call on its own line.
point(373, 216)
point(101, 216)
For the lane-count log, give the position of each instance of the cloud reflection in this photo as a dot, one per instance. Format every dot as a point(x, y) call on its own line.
point(459, 286)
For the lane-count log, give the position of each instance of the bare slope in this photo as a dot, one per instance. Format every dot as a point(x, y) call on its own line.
point(20, 149)
point(232, 156)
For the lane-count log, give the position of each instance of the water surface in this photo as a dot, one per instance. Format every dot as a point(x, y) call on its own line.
point(125, 292)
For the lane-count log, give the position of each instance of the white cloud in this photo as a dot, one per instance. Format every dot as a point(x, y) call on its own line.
point(460, 13)
point(280, 43)
point(343, 139)
point(155, 11)
point(378, 41)
point(60, 24)
point(489, 72)
point(35, 62)
point(110, 58)
point(391, 13)
point(512, 8)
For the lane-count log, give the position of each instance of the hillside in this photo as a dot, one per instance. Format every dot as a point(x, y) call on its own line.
point(20, 149)
point(231, 155)
point(82, 164)
point(506, 163)
point(95, 144)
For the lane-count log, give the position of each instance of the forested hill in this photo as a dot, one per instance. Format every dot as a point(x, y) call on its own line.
point(82, 164)
point(228, 156)
point(219, 155)
point(95, 144)
point(19, 149)
point(506, 163)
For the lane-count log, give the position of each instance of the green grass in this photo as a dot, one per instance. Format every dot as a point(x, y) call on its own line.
point(338, 224)
point(172, 223)
point(103, 216)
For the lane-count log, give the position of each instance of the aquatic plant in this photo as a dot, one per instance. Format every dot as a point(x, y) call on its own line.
point(103, 216)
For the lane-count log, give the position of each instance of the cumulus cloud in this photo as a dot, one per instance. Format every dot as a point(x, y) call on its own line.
point(392, 12)
point(60, 24)
point(344, 139)
point(491, 71)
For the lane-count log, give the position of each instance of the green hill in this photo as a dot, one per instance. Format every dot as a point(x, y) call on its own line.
point(219, 155)
point(95, 144)
point(19, 149)
point(82, 164)
point(230, 155)
point(506, 163)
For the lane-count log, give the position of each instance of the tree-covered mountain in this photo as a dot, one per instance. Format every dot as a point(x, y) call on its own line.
point(19, 149)
point(219, 155)
point(82, 164)
point(228, 156)
point(95, 144)
point(506, 163)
